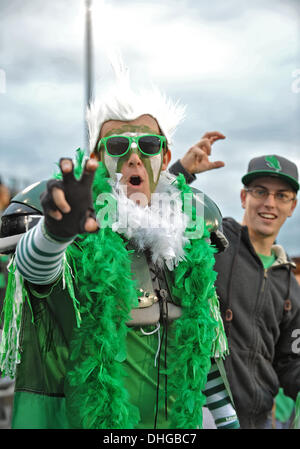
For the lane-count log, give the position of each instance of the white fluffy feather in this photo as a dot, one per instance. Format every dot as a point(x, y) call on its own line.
point(159, 229)
point(122, 103)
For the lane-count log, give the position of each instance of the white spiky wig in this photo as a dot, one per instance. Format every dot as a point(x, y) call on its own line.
point(122, 103)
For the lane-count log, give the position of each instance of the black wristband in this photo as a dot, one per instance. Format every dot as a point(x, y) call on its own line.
point(178, 168)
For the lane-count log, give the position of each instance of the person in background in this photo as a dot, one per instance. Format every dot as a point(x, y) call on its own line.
point(4, 196)
point(258, 293)
point(4, 259)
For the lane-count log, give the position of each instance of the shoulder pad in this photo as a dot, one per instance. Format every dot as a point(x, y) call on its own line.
point(30, 196)
point(23, 212)
point(212, 214)
point(213, 220)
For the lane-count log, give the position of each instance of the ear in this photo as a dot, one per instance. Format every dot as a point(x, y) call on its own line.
point(166, 160)
point(243, 195)
point(294, 204)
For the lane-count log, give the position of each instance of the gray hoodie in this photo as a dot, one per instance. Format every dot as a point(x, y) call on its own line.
point(260, 309)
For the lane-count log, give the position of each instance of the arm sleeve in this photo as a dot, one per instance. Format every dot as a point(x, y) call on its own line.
point(218, 401)
point(178, 168)
point(39, 257)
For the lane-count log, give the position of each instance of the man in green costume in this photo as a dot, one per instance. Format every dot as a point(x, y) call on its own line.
point(115, 321)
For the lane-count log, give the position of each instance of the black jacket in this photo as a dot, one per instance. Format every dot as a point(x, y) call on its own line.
point(260, 309)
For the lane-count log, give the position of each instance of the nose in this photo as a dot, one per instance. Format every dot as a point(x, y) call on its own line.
point(270, 200)
point(134, 160)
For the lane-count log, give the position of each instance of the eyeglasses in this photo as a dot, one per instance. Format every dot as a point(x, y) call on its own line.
point(281, 196)
point(148, 144)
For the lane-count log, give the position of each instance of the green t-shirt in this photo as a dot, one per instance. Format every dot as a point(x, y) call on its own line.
point(267, 261)
point(284, 406)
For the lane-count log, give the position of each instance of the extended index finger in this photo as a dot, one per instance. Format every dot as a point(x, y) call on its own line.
point(67, 170)
point(90, 167)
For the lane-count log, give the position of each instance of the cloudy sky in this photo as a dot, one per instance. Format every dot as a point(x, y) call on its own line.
point(234, 63)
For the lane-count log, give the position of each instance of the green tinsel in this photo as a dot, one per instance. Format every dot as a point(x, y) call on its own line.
point(191, 349)
point(15, 295)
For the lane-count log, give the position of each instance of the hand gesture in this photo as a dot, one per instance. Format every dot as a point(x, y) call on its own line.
point(68, 204)
point(196, 160)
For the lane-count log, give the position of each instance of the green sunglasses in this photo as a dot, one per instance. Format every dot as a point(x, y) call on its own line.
point(148, 144)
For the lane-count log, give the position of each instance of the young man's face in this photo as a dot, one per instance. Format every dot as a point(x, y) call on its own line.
point(265, 216)
point(139, 173)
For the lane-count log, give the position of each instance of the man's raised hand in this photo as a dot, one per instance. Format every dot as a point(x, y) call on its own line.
point(67, 203)
point(196, 160)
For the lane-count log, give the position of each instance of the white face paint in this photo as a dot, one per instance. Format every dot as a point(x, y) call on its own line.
point(155, 162)
point(111, 165)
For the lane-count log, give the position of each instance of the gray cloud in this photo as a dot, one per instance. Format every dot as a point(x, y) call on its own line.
point(245, 93)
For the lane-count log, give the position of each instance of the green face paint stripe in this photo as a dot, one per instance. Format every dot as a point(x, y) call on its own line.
point(121, 161)
point(130, 129)
point(148, 167)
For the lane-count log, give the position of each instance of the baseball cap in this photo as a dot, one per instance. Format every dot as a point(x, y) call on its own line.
point(272, 165)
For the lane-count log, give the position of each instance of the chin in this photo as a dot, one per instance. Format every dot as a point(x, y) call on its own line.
point(138, 197)
point(266, 232)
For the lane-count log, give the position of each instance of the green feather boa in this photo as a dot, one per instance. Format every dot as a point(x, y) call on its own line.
point(95, 392)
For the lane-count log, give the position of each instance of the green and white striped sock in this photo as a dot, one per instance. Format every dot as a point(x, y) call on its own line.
point(39, 257)
point(218, 401)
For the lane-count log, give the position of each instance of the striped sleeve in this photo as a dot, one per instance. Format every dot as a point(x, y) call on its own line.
point(218, 401)
point(39, 257)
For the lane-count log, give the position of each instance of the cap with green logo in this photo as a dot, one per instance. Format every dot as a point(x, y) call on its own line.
point(272, 165)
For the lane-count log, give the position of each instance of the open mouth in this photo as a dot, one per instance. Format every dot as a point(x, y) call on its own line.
point(135, 180)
